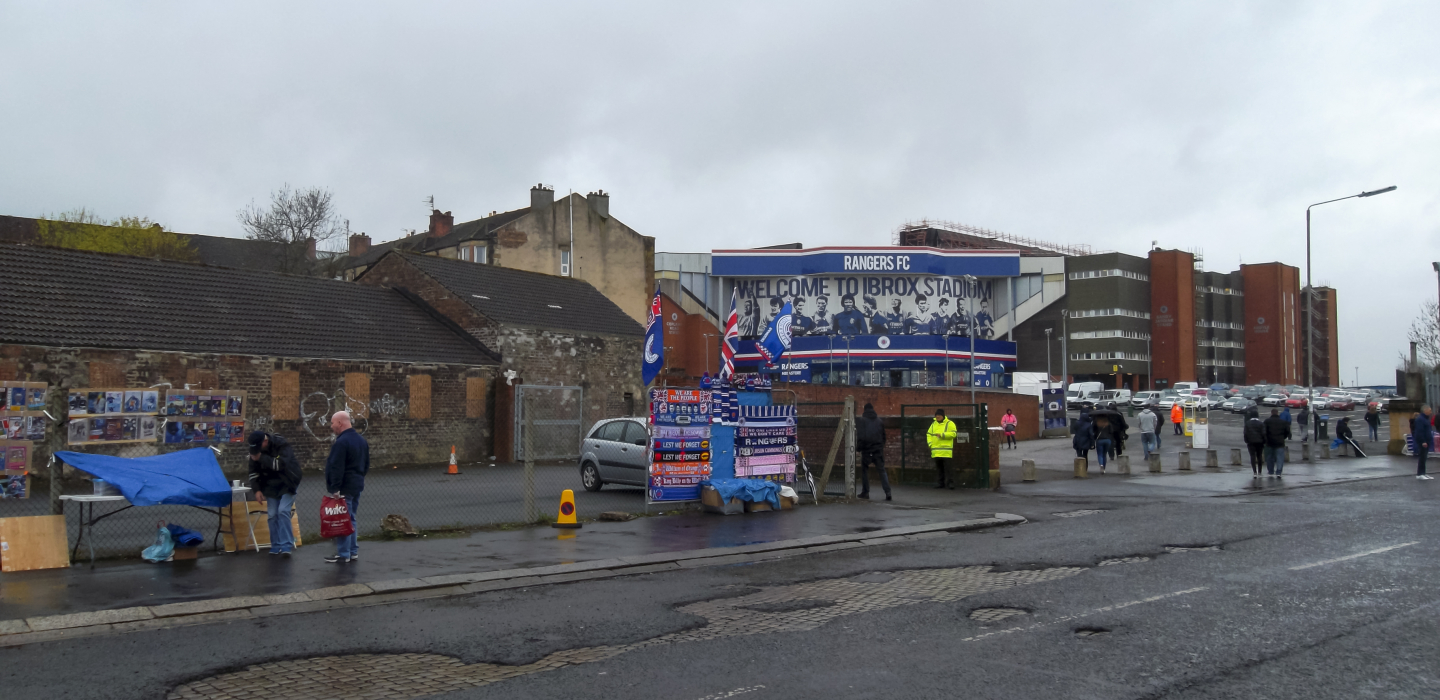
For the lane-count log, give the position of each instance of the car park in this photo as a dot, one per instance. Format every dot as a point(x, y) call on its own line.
point(1295, 401)
point(1342, 403)
point(1168, 398)
point(1239, 404)
point(1276, 399)
point(617, 451)
point(1145, 398)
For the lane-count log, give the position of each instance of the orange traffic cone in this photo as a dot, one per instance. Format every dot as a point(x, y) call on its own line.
point(454, 468)
point(566, 519)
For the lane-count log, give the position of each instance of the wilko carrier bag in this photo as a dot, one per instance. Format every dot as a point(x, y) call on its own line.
point(335, 518)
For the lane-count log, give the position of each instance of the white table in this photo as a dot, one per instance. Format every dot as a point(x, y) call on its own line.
point(88, 520)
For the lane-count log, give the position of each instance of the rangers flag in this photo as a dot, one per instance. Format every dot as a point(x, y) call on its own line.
point(730, 342)
point(654, 352)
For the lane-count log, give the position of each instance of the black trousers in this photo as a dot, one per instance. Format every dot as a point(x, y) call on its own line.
point(877, 458)
point(1178, 431)
point(1257, 455)
point(940, 468)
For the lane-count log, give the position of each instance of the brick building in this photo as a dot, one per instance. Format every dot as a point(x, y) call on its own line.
point(547, 330)
point(300, 347)
point(574, 237)
point(1324, 330)
point(1272, 323)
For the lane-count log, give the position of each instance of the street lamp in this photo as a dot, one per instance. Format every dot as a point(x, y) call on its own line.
point(1047, 358)
point(707, 350)
point(1309, 292)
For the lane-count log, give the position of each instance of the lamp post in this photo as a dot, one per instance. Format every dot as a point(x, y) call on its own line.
point(1064, 354)
point(707, 350)
point(1149, 367)
point(1047, 358)
point(1309, 293)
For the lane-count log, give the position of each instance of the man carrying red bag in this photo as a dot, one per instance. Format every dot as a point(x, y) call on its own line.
point(345, 470)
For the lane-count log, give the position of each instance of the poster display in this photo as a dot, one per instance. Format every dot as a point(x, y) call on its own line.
point(679, 443)
point(203, 416)
point(22, 410)
point(766, 443)
point(868, 305)
point(1054, 403)
point(147, 415)
point(15, 456)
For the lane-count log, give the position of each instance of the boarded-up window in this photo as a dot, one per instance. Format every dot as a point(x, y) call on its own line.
point(419, 396)
point(106, 375)
point(202, 379)
point(285, 395)
point(357, 388)
point(475, 397)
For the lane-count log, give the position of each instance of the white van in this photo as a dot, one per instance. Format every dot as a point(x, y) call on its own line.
point(1077, 394)
point(1182, 386)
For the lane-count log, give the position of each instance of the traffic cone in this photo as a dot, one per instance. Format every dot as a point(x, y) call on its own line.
point(454, 468)
point(566, 519)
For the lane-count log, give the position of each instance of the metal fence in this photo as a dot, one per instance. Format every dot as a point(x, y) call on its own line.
point(483, 494)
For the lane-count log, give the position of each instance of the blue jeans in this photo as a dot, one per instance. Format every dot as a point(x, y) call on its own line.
point(1149, 442)
point(349, 545)
point(282, 537)
point(1102, 447)
point(1274, 459)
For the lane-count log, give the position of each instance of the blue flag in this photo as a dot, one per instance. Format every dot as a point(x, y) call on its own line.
point(654, 352)
point(776, 340)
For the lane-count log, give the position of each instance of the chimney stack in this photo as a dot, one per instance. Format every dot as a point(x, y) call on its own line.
point(310, 248)
point(542, 198)
point(359, 245)
point(599, 203)
point(440, 223)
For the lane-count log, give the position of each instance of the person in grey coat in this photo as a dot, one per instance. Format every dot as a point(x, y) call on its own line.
point(1149, 424)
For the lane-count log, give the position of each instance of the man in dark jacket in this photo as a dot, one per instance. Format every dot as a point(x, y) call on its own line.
point(345, 476)
point(1277, 431)
point(1304, 422)
point(870, 442)
point(1255, 439)
point(1424, 433)
point(274, 476)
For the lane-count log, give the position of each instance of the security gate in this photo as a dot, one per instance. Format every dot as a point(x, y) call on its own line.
point(556, 415)
point(969, 465)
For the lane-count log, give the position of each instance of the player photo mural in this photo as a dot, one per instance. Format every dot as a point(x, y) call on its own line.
point(868, 305)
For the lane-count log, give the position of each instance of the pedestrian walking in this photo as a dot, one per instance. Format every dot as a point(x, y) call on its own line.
point(1304, 418)
point(1285, 415)
point(1177, 416)
point(1084, 436)
point(1148, 424)
point(1424, 434)
point(275, 477)
point(1106, 434)
point(1372, 419)
point(1255, 439)
point(1277, 431)
point(870, 441)
point(940, 438)
point(1008, 422)
point(1122, 433)
point(345, 470)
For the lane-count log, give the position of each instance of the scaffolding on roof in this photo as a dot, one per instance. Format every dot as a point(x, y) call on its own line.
point(965, 229)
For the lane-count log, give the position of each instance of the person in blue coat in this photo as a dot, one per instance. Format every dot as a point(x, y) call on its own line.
point(345, 470)
point(1084, 436)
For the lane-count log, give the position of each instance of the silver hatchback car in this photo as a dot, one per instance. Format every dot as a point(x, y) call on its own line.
point(617, 451)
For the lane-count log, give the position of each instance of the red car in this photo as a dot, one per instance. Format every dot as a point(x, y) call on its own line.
point(1342, 404)
point(1296, 401)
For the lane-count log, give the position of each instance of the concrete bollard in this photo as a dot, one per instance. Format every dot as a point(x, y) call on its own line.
point(1184, 464)
point(1122, 465)
point(1027, 470)
point(995, 479)
point(1344, 450)
point(1305, 452)
point(1289, 455)
point(1235, 457)
point(1324, 451)
point(1155, 463)
point(1212, 458)
point(1082, 468)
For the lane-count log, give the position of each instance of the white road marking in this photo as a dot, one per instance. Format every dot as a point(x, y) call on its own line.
point(1352, 556)
point(733, 693)
point(1077, 616)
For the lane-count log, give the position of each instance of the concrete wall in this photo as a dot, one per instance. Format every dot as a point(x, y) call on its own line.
point(611, 256)
point(383, 415)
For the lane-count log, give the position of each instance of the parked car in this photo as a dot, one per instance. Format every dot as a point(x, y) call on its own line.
point(1239, 404)
point(1321, 403)
point(1295, 401)
point(1273, 400)
point(1342, 403)
point(1168, 398)
point(616, 452)
point(1145, 398)
point(1215, 401)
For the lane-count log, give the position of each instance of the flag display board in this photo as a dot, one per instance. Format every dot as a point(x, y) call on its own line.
point(766, 443)
point(679, 443)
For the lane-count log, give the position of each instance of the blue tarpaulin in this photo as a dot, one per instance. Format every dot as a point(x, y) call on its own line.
point(186, 478)
point(750, 490)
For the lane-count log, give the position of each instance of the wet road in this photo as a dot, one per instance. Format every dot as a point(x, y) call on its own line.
point(1310, 593)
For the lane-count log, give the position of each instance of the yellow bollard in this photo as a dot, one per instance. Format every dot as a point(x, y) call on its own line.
point(566, 518)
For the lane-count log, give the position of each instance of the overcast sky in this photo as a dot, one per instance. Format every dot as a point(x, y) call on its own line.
point(1200, 125)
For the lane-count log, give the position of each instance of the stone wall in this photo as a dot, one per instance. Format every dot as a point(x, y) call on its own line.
point(383, 413)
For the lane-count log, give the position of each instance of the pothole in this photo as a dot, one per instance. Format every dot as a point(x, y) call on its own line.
point(1090, 631)
point(789, 606)
point(1123, 560)
point(1076, 513)
point(1178, 548)
point(995, 614)
point(869, 528)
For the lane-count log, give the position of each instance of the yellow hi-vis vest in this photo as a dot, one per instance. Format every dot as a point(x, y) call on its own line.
point(941, 438)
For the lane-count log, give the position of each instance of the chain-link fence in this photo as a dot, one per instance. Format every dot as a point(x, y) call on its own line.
point(483, 494)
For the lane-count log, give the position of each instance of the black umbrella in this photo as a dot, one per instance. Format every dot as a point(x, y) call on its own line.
point(1104, 413)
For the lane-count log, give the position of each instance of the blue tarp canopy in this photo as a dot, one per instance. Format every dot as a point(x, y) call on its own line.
point(186, 478)
point(751, 490)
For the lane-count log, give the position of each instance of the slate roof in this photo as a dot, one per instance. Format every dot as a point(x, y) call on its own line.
point(237, 252)
point(64, 298)
point(531, 299)
point(423, 243)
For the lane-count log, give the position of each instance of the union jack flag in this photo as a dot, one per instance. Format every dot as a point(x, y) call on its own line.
point(730, 343)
